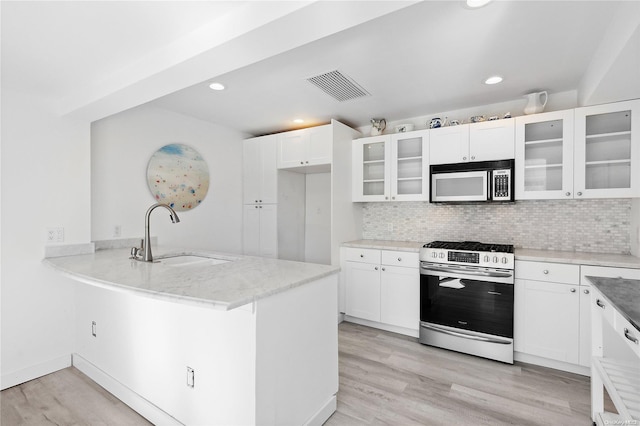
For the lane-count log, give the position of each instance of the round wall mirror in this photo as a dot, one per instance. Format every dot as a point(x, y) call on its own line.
point(178, 176)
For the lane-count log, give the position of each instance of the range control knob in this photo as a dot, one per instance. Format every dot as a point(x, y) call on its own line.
point(434, 254)
point(504, 259)
point(441, 255)
point(486, 258)
point(495, 259)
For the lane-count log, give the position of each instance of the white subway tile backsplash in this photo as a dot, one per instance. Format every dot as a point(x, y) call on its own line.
point(569, 225)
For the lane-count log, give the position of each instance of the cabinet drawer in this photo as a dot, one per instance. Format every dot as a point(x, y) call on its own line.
point(545, 271)
point(353, 254)
point(627, 332)
point(400, 258)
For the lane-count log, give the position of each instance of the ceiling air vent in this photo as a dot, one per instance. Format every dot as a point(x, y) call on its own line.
point(338, 86)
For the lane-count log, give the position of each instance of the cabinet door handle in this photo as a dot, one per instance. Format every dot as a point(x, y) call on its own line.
point(573, 290)
point(586, 292)
point(599, 303)
point(629, 336)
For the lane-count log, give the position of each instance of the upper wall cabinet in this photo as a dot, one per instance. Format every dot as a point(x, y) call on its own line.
point(305, 148)
point(607, 150)
point(259, 174)
point(544, 156)
point(489, 140)
point(391, 167)
point(590, 152)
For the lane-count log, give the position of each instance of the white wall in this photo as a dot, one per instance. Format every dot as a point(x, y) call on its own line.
point(121, 148)
point(45, 183)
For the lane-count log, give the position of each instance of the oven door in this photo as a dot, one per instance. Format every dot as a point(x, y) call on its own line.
point(468, 300)
point(460, 186)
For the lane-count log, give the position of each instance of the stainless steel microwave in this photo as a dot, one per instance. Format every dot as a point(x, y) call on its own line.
point(472, 182)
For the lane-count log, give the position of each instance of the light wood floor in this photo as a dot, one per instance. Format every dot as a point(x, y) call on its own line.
point(385, 379)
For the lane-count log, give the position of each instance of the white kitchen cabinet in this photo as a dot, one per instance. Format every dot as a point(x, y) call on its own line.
point(259, 171)
point(383, 287)
point(547, 312)
point(363, 290)
point(391, 167)
point(305, 148)
point(489, 140)
point(607, 150)
point(585, 302)
point(400, 296)
point(260, 230)
point(544, 156)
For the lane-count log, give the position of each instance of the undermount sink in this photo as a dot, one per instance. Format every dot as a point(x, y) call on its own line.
point(191, 260)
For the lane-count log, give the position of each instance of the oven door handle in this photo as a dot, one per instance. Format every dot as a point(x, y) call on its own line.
point(466, 335)
point(468, 272)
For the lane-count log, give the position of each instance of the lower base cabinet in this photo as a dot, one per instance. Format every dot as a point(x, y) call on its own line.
point(382, 286)
point(552, 309)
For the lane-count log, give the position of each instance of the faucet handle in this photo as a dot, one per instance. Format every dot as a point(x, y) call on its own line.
point(137, 251)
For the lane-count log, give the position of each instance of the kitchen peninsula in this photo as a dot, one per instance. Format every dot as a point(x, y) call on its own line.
point(216, 339)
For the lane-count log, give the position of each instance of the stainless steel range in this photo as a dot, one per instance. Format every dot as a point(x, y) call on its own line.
point(466, 298)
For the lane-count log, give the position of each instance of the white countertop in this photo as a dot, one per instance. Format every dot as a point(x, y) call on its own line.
point(224, 286)
point(578, 258)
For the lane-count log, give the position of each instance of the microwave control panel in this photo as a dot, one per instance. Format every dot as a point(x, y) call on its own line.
point(501, 185)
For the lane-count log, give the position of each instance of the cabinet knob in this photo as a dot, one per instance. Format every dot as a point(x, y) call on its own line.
point(302, 162)
point(586, 292)
point(573, 290)
point(393, 198)
point(307, 162)
point(399, 259)
point(567, 194)
point(545, 272)
point(386, 198)
point(260, 207)
point(599, 303)
point(376, 268)
point(256, 201)
point(579, 193)
point(383, 269)
point(473, 157)
point(260, 201)
point(362, 255)
point(464, 158)
point(256, 207)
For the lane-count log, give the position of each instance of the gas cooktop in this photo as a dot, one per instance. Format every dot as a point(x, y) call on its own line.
point(470, 246)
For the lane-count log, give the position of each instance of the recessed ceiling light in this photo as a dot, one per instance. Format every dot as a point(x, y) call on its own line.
point(474, 4)
point(298, 121)
point(493, 80)
point(216, 86)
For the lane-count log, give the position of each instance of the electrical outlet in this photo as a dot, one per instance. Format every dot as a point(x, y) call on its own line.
point(94, 331)
point(117, 231)
point(191, 377)
point(55, 235)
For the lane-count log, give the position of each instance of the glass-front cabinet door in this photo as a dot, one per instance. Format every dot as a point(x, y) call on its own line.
point(371, 168)
point(607, 150)
point(544, 156)
point(410, 166)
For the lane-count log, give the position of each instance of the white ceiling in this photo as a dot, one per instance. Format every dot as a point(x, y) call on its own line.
point(414, 59)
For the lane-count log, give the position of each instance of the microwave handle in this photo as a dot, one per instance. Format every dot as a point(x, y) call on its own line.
point(489, 185)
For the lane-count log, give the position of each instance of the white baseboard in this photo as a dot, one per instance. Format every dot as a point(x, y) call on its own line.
point(143, 407)
point(33, 372)
point(323, 413)
point(381, 326)
point(551, 363)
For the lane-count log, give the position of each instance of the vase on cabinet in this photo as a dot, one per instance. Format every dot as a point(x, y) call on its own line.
point(534, 102)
